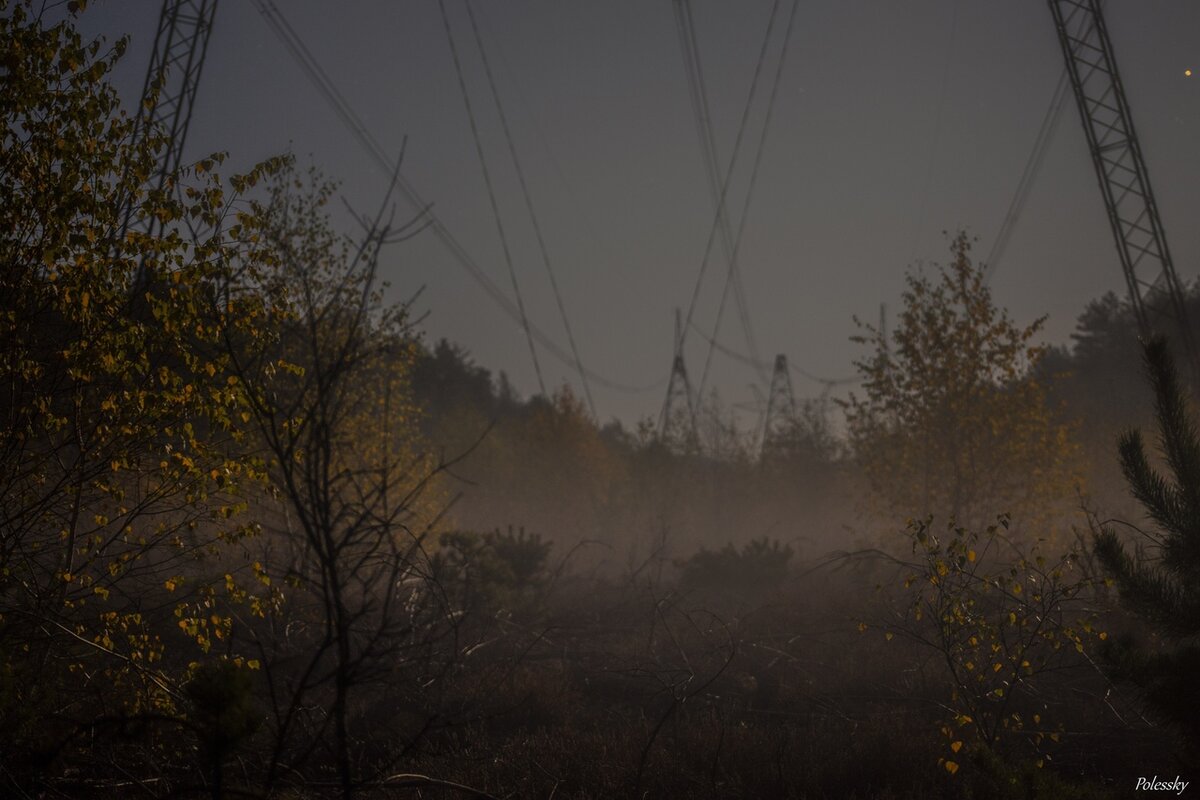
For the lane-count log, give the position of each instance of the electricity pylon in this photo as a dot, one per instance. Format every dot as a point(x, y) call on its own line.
point(677, 424)
point(172, 78)
point(779, 427)
point(1154, 289)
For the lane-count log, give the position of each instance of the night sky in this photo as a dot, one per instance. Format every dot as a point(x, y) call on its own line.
point(894, 121)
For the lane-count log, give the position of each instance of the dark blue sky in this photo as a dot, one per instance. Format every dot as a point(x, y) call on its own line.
point(894, 122)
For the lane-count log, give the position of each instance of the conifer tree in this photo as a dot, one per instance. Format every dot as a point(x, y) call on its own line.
point(1158, 582)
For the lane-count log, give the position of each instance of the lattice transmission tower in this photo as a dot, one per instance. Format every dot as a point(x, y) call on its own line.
point(172, 78)
point(779, 424)
point(677, 423)
point(1154, 288)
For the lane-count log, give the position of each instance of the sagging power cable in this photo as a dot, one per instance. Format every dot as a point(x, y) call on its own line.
point(1033, 165)
point(762, 141)
point(725, 183)
point(295, 46)
point(758, 364)
point(491, 192)
point(698, 91)
point(533, 218)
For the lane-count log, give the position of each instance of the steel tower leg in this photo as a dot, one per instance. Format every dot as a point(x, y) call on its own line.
point(1154, 288)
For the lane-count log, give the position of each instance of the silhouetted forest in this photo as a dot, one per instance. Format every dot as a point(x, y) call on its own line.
point(261, 538)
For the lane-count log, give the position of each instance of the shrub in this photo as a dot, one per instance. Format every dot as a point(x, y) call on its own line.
point(759, 566)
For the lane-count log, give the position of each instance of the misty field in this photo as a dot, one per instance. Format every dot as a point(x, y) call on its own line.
point(262, 537)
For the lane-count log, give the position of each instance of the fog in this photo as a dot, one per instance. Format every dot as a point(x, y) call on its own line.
point(356, 466)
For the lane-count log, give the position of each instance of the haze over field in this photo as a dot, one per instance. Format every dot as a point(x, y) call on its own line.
point(330, 474)
point(893, 122)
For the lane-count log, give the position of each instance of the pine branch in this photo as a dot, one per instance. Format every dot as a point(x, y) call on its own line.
point(1150, 592)
point(1159, 499)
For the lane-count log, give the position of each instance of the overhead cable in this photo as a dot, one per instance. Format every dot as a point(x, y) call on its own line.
point(737, 146)
point(537, 228)
point(762, 141)
point(491, 192)
point(698, 90)
point(300, 53)
point(758, 364)
point(1033, 165)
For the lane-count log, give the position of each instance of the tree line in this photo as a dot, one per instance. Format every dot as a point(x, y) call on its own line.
point(258, 537)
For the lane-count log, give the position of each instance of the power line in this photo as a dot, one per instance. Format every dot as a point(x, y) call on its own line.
point(739, 288)
point(491, 192)
point(547, 152)
point(300, 53)
point(537, 228)
point(1154, 287)
point(759, 364)
point(762, 141)
point(697, 87)
point(1033, 165)
point(737, 146)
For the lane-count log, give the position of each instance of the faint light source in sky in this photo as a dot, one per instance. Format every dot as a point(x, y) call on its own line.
point(1187, 72)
